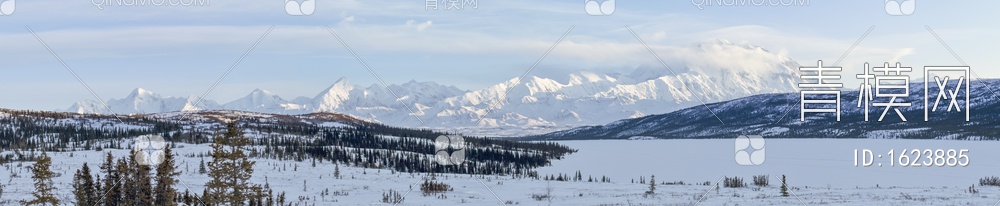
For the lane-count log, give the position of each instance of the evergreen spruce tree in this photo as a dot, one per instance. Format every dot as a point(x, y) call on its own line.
point(230, 169)
point(281, 198)
point(336, 171)
point(139, 185)
point(83, 187)
point(270, 193)
point(1, 190)
point(164, 193)
point(205, 197)
point(110, 191)
point(124, 184)
point(201, 166)
point(652, 184)
point(42, 173)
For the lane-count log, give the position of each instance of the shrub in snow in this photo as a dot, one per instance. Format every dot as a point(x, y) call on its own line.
point(733, 182)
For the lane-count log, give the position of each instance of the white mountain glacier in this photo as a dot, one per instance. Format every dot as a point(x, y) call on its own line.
point(712, 72)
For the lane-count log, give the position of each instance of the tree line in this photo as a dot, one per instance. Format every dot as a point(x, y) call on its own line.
point(125, 181)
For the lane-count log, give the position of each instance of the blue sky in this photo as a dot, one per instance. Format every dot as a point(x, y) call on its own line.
point(183, 50)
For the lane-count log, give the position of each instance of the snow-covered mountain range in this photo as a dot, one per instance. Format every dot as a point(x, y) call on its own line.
point(142, 101)
point(722, 71)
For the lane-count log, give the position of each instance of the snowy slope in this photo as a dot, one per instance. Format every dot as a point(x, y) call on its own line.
point(717, 71)
point(778, 116)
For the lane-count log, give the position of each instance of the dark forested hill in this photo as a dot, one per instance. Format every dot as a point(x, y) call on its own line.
point(323, 136)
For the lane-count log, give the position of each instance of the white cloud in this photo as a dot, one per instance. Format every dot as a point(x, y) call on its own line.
point(585, 49)
point(347, 19)
point(420, 26)
point(660, 35)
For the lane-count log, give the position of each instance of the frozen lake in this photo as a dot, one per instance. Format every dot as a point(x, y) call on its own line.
point(806, 162)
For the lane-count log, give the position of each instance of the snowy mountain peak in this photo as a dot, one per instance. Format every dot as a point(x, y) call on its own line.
point(726, 43)
point(334, 96)
point(644, 73)
point(262, 95)
point(341, 81)
point(588, 77)
point(259, 100)
point(140, 92)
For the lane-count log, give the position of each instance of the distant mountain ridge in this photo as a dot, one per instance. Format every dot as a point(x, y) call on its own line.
point(142, 101)
point(777, 116)
point(722, 71)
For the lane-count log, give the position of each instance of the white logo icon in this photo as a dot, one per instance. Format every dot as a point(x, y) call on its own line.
point(599, 9)
point(305, 8)
point(6, 7)
point(449, 150)
point(750, 150)
point(900, 7)
point(148, 149)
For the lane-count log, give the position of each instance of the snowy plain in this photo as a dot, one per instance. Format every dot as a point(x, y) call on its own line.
point(819, 171)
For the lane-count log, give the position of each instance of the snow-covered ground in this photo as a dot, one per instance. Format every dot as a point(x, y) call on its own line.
point(818, 171)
